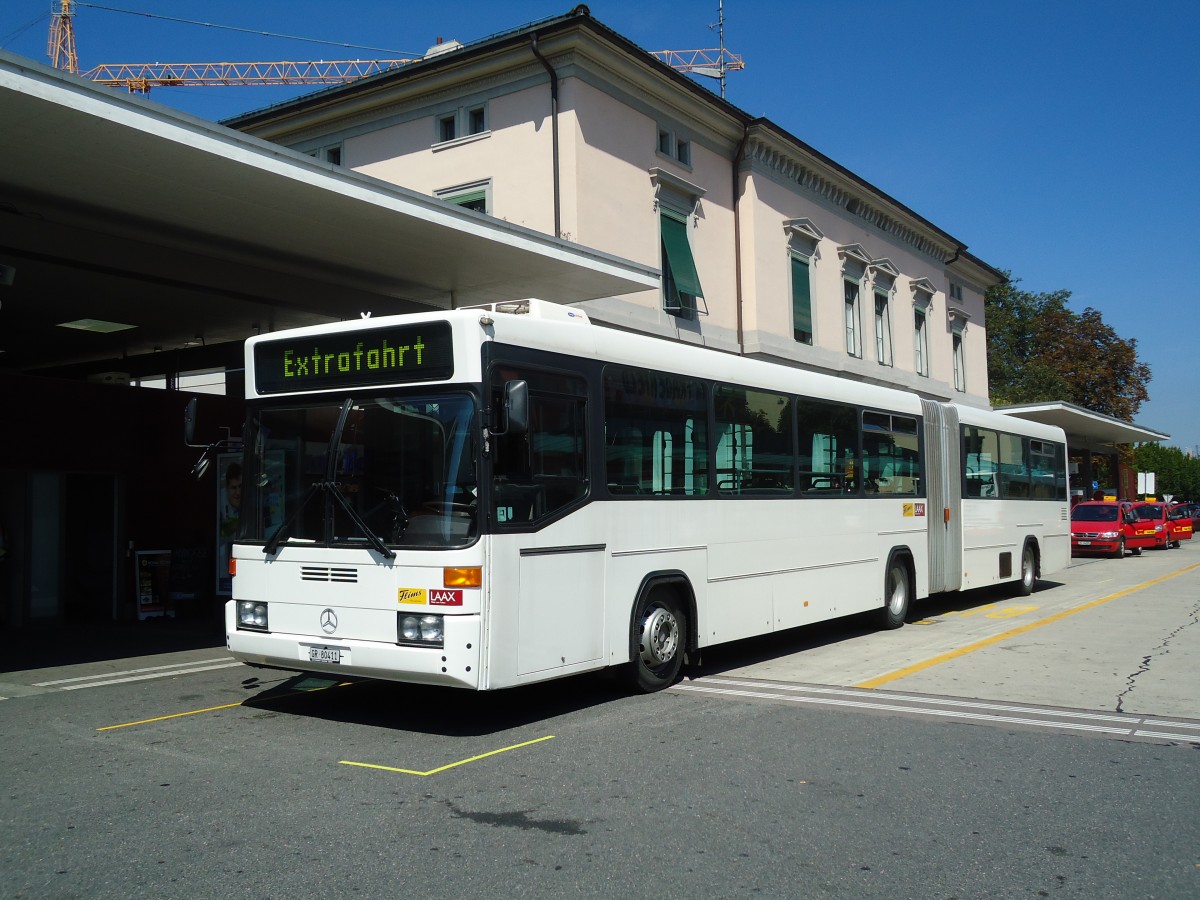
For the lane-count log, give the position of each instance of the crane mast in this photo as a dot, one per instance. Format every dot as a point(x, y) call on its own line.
point(61, 47)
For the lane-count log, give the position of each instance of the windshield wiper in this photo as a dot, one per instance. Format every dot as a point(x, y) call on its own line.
point(334, 488)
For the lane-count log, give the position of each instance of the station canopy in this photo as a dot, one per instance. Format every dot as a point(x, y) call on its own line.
point(128, 229)
point(1085, 429)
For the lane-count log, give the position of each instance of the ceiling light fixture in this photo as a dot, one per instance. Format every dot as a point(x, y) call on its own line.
point(97, 326)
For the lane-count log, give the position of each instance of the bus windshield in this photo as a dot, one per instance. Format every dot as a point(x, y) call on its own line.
point(374, 472)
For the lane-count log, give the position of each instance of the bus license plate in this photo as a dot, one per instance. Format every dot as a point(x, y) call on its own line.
point(1081, 544)
point(333, 655)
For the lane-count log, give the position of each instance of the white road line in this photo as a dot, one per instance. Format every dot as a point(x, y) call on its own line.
point(1059, 719)
point(1131, 720)
point(195, 662)
point(111, 678)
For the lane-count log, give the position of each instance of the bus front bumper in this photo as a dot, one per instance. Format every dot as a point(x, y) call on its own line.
point(456, 664)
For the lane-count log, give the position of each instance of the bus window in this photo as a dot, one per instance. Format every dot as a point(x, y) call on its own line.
point(891, 454)
point(540, 472)
point(655, 433)
point(981, 462)
point(1014, 473)
point(1046, 470)
point(754, 442)
point(829, 461)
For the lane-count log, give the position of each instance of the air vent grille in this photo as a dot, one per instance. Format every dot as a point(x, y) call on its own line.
point(329, 573)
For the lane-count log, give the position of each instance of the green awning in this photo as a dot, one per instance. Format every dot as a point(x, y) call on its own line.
point(679, 255)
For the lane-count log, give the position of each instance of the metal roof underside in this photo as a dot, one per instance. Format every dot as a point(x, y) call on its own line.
point(1084, 427)
point(116, 208)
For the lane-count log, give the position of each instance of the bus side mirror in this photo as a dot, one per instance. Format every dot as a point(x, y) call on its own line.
point(514, 414)
point(189, 424)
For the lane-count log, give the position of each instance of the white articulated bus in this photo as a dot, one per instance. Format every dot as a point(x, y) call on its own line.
point(490, 497)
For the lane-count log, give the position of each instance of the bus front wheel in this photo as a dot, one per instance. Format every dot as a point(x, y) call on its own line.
point(896, 594)
point(660, 630)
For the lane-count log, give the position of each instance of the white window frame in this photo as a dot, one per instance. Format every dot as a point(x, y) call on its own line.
point(883, 283)
point(855, 261)
point(852, 291)
point(671, 144)
point(460, 119)
point(921, 340)
point(883, 327)
point(958, 354)
point(923, 291)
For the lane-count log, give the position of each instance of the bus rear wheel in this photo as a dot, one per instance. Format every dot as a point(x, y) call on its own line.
point(896, 595)
point(1028, 570)
point(660, 630)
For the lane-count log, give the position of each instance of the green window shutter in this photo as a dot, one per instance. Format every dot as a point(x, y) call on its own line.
point(476, 200)
point(801, 301)
point(679, 255)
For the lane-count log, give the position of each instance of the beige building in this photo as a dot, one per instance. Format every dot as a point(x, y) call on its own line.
point(766, 247)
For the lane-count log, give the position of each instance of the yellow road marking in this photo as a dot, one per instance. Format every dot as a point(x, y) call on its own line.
point(995, 639)
point(196, 712)
point(461, 762)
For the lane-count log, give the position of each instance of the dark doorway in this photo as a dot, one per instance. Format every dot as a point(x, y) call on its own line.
point(90, 548)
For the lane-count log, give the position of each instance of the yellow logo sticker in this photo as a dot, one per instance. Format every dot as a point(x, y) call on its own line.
point(410, 595)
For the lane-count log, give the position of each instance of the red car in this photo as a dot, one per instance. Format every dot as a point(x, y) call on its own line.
point(1154, 518)
point(1106, 527)
point(1183, 520)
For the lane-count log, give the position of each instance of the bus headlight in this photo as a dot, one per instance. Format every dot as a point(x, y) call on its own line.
point(1109, 535)
point(252, 615)
point(425, 631)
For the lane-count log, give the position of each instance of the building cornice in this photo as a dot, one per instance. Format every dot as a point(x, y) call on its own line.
point(767, 152)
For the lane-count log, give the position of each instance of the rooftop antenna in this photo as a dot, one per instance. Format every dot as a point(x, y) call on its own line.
point(721, 67)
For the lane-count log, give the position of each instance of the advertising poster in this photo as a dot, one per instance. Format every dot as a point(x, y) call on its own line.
point(153, 572)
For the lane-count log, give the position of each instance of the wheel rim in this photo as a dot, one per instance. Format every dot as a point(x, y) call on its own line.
point(898, 593)
point(1027, 568)
point(660, 636)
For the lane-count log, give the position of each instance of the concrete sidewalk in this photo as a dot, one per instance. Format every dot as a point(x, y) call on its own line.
point(42, 647)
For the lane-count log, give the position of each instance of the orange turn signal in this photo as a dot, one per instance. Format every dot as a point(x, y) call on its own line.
point(232, 566)
point(466, 576)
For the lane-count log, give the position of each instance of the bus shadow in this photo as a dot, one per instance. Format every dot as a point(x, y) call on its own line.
point(426, 709)
point(769, 647)
point(451, 712)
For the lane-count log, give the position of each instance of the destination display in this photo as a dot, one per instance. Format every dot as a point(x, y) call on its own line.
point(394, 355)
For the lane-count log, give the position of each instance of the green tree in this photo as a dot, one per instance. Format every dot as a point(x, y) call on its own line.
point(1174, 473)
point(1040, 349)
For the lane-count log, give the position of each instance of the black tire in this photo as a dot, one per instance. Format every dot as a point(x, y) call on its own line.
point(1119, 553)
point(1136, 551)
point(897, 594)
point(1028, 579)
point(660, 641)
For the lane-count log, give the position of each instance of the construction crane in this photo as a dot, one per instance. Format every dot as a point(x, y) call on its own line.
point(141, 77)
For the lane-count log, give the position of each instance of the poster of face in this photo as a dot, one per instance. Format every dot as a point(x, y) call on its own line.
point(229, 512)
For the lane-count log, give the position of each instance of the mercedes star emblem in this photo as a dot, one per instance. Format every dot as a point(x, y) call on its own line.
point(328, 621)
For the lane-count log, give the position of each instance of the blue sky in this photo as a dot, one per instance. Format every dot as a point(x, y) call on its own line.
point(1056, 139)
